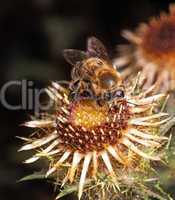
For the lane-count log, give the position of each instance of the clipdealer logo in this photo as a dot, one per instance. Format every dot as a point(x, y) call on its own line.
point(30, 96)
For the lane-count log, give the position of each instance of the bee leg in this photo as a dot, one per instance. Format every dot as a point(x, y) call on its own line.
point(107, 96)
point(100, 102)
point(72, 96)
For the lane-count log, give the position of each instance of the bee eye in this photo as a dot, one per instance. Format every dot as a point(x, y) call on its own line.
point(107, 80)
point(86, 94)
point(119, 93)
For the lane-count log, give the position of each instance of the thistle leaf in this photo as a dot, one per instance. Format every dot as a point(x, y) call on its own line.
point(34, 176)
point(67, 190)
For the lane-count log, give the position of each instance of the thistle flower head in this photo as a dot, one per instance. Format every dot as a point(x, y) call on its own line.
point(85, 139)
point(153, 49)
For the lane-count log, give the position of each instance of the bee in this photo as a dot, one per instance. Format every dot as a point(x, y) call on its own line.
point(93, 76)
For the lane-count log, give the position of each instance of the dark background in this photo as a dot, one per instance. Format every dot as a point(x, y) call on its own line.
point(32, 36)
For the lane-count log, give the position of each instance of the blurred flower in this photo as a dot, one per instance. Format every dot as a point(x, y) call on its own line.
point(152, 50)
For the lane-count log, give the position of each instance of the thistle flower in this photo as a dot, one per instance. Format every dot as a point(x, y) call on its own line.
point(152, 50)
point(85, 140)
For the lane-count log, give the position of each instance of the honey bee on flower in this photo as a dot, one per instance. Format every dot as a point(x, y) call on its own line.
point(152, 50)
point(98, 126)
point(93, 75)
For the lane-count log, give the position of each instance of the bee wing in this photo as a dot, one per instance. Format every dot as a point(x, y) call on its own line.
point(95, 48)
point(73, 56)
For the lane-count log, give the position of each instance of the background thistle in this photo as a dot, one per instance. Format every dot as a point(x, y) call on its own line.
point(152, 47)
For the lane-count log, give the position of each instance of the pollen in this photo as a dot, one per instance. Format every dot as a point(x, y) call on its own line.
point(91, 127)
point(88, 114)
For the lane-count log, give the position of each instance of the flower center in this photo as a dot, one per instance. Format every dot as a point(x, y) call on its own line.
point(87, 113)
point(90, 127)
